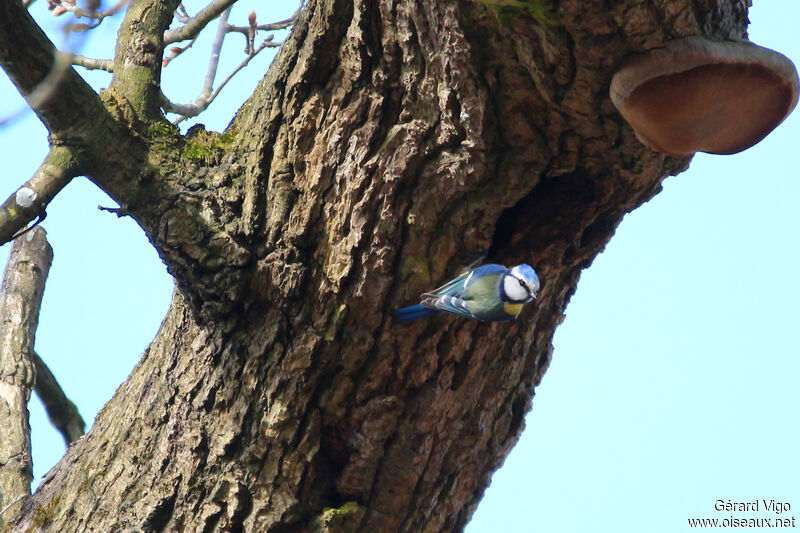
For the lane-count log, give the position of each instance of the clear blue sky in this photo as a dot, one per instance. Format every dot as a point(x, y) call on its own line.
point(674, 378)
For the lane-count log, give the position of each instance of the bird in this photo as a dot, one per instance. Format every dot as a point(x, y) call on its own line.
point(489, 292)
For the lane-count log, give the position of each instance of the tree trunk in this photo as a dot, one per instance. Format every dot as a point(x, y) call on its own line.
point(390, 144)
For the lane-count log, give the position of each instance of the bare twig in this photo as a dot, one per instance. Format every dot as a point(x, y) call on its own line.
point(175, 51)
point(30, 200)
point(91, 63)
point(20, 300)
point(213, 63)
point(202, 101)
point(266, 44)
point(59, 7)
point(196, 24)
point(208, 94)
point(121, 211)
point(63, 414)
point(252, 28)
point(282, 25)
point(181, 14)
point(201, 104)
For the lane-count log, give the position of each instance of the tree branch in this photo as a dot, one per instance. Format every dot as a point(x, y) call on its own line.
point(139, 52)
point(91, 63)
point(196, 24)
point(29, 58)
point(216, 49)
point(20, 299)
point(30, 200)
point(63, 414)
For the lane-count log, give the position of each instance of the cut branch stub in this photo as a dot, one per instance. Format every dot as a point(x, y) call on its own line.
point(20, 299)
point(696, 95)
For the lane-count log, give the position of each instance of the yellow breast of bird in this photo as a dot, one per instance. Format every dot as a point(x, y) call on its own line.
point(512, 309)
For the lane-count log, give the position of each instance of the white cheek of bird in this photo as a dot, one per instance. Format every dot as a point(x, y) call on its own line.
point(515, 289)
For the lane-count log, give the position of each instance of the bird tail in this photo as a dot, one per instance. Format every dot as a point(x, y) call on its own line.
point(407, 314)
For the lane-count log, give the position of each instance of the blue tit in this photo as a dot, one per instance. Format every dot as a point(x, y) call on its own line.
point(489, 292)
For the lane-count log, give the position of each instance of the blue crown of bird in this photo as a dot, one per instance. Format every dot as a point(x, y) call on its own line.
point(489, 292)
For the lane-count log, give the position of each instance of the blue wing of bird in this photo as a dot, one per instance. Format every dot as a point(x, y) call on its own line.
point(448, 304)
point(457, 285)
point(454, 286)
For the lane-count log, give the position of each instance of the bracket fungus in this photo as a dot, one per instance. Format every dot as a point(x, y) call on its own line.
point(695, 95)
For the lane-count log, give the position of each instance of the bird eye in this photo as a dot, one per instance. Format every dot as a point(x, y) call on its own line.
point(521, 283)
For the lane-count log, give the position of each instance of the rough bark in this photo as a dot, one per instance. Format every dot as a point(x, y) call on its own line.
point(389, 144)
point(20, 299)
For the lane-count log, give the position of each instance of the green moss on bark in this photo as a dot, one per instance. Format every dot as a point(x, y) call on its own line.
point(207, 147)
